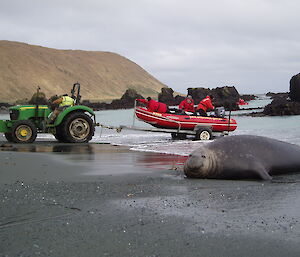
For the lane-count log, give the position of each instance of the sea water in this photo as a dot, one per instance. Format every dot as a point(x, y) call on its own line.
point(285, 128)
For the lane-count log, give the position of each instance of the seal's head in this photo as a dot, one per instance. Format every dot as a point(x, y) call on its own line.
point(200, 164)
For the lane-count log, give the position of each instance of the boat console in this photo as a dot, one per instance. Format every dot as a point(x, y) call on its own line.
point(219, 112)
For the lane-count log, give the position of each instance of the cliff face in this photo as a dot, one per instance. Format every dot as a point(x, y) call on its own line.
point(102, 75)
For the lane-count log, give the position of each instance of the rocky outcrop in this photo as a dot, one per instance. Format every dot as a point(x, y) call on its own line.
point(285, 103)
point(127, 100)
point(198, 93)
point(166, 96)
point(295, 88)
point(97, 106)
point(282, 106)
point(248, 97)
point(275, 95)
point(178, 99)
point(223, 96)
point(5, 105)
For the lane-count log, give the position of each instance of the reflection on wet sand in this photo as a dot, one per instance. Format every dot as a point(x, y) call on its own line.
point(100, 156)
point(48, 148)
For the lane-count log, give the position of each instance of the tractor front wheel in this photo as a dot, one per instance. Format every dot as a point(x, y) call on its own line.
point(23, 131)
point(9, 137)
point(78, 127)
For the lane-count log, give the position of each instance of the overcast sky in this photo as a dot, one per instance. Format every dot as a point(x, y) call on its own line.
point(253, 45)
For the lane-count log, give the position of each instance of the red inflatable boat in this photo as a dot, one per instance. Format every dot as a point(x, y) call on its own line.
point(184, 122)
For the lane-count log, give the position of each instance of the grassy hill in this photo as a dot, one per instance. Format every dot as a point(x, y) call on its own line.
point(102, 75)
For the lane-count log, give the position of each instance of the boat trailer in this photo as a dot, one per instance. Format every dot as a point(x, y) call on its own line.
point(200, 132)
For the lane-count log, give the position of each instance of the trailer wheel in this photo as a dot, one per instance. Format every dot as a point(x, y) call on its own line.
point(203, 134)
point(178, 136)
point(8, 137)
point(78, 127)
point(23, 131)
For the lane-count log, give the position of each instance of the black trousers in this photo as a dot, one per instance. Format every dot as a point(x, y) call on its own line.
point(202, 113)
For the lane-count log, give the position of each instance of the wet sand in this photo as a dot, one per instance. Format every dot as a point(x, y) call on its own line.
point(105, 200)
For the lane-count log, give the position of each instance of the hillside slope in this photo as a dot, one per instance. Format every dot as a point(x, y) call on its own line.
point(102, 75)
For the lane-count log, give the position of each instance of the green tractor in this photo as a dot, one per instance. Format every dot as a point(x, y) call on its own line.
point(75, 124)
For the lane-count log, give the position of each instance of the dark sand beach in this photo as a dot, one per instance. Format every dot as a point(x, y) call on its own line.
point(105, 200)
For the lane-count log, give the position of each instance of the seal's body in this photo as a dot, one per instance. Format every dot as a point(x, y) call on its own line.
point(243, 157)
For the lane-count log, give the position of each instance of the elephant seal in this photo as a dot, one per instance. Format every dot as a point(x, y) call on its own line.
point(243, 157)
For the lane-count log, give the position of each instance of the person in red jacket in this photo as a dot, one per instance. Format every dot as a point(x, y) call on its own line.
point(154, 106)
point(242, 102)
point(204, 105)
point(187, 105)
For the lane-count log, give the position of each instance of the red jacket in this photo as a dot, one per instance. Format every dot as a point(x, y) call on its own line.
point(187, 107)
point(154, 106)
point(206, 104)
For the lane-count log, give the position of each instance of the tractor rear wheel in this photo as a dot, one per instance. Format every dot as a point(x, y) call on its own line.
point(77, 127)
point(59, 137)
point(23, 131)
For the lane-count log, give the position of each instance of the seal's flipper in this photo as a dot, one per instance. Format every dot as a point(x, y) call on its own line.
point(261, 171)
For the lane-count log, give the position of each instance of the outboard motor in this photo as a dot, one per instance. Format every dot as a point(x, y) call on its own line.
point(220, 112)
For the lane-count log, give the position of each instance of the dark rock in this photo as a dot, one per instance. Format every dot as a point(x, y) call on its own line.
point(6, 105)
point(227, 97)
point(282, 106)
point(96, 106)
point(198, 93)
point(223, 96)
point(248, 97)
point(129, 96)
point(275, 95)
point(295, 88)
point(254, 114)
point(127, 100)
point(178, 99)
point(166, 96)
